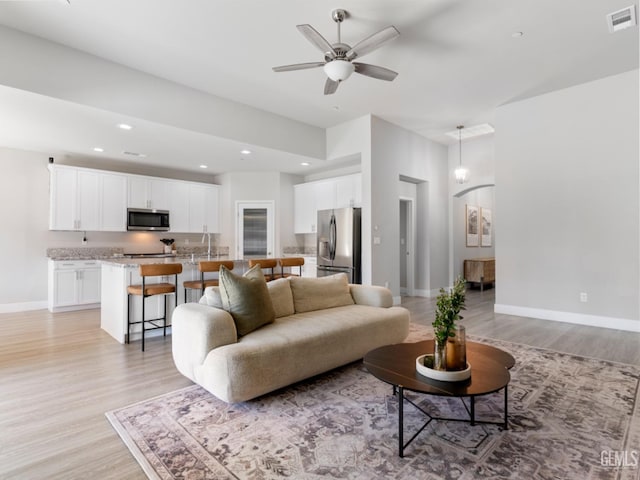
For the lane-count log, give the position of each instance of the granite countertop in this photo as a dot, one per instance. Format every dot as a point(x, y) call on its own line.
point(183, 259)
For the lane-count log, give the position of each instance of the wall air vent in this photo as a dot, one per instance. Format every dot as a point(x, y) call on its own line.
point(622, 19)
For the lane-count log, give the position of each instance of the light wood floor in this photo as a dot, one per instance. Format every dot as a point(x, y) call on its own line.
point(59, 373)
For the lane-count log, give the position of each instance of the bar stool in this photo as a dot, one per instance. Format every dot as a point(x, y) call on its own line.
point(150, 289)
point(291, 262)
point(206, 266)
point(265, 264)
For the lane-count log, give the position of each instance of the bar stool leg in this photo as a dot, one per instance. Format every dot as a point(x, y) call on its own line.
point(128, 317)
point(142, 323)
point(164, 317)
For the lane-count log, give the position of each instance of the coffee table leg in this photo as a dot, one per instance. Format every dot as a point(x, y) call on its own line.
point(401, 420)
point(506, 403)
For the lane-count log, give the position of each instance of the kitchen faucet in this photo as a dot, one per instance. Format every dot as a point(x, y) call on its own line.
point(208, 235)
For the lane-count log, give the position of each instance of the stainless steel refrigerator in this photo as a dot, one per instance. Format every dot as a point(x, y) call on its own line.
point(339, 240)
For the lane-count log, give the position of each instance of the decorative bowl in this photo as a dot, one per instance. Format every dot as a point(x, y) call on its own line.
point(442, 375)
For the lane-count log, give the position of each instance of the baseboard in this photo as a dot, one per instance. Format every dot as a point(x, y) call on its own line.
point(22, 307)
point(570, 317)
point(426, 293)
point(397, 300)
point(73, 308)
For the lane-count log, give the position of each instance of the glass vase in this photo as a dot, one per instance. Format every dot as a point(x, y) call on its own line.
point(439, 355)
point(457, 350)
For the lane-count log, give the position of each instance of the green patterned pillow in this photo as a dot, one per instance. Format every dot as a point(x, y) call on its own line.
point(246, 298)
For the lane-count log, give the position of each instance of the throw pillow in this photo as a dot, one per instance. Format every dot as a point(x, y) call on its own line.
point(212, 297)
point(246, 298)
point(281, 297)
point(311, 294)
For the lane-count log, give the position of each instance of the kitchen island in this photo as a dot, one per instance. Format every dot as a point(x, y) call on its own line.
point(118, 273)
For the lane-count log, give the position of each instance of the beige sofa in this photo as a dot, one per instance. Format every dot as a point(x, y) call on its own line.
point(320, 324)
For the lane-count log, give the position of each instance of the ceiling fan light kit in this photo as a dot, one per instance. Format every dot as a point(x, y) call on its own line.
point(338, 62)
point(339, 70)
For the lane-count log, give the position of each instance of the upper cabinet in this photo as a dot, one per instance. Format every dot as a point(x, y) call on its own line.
point(338, 192)
point(96, 200)
point(147, 192)
point(84, 199)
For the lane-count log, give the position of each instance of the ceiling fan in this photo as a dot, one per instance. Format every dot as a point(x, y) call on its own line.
point(338, 57)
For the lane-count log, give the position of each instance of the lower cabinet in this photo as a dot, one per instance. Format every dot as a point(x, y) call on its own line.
point(73, 285)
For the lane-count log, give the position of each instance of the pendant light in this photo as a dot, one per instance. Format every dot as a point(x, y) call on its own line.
point(460, 172)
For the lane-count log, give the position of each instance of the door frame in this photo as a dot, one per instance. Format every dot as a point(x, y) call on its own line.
point(411, 239)
point(270, 207)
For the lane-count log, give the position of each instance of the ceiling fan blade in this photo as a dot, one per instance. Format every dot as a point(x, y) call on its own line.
point(330, 86)
point(318, 40)
point(298, 66)
point(372, 42)
point(375, 71)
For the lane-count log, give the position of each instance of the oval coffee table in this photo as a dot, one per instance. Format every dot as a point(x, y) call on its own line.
point(396, 365)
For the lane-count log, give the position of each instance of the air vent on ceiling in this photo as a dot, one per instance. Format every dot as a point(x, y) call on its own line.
point(622, 19)
point(134, 154)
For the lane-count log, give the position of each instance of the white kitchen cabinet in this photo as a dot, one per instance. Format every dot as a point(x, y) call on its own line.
point(74, 199)
point(309, 269)
point(304, 208)
point(179, 206)
point(348, 191)
point(325, 193)
point(339, 192)
point(204, 207)
point(73, 285)
point(148, 192)
point(113, 202)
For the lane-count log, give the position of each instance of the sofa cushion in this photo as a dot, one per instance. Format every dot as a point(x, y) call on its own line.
point(281, 297)
point(310, 294)
point(246, 298)
point(212, 297)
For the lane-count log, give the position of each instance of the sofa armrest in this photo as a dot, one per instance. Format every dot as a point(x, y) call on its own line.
point(197, 329)
point(371, 295)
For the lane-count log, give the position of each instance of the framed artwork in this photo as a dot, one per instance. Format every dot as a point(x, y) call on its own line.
point(485, 240)
point(472, 225)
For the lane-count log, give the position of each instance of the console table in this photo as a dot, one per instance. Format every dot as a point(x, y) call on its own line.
point(480, 270)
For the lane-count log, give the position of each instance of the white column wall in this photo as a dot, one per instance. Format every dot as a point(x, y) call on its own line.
point(567, 200)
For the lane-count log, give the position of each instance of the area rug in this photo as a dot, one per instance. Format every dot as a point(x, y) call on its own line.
point(570, 417)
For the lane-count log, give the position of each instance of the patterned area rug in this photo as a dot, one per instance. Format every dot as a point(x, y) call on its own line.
point(570, 417)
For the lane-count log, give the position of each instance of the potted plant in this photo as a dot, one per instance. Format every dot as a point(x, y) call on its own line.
point(168, 242)
point(448, 306)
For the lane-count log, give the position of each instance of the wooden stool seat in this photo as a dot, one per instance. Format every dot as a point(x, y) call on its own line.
point(291, 262)
point(150, 289)
point(206, 266)
point(268, 264)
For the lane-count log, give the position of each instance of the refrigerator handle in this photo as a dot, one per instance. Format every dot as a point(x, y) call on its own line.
point(332, 237)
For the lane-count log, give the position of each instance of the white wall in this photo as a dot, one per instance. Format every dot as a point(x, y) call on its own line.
point(397, 153)
point(567, 200)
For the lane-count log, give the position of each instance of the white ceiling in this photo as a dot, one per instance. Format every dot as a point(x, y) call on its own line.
point(457, 61)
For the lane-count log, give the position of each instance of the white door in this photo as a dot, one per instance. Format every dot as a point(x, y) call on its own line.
point(255, 229)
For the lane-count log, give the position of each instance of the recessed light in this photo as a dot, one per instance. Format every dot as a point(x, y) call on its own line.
point(517, 34)
point(305, 164)
point(124, 126)
point(336, 107)
point(98, 149)
point(245, 152)
point(204, 166)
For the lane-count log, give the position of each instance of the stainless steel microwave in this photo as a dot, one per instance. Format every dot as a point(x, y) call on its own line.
point(142, 219)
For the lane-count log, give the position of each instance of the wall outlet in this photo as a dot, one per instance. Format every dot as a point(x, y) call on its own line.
point(584, 297)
